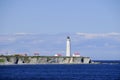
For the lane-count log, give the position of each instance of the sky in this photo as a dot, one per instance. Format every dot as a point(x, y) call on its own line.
point(61, 16)
point(29, 25)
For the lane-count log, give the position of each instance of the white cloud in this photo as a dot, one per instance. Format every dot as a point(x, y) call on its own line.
point(94, 35)
point(113, 34)
point(7, 39)
point(37, 41)
point(23, 34)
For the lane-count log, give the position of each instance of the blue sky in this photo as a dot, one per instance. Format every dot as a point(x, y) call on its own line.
point(94, 27)
point(63, 16)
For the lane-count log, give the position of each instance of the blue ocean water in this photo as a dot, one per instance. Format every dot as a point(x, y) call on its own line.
point(60, 72)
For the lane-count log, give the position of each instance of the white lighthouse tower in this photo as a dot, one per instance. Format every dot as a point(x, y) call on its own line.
point(68, 47)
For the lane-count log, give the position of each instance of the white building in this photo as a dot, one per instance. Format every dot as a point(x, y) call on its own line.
point(68, 47)
point(76, 55)
point(58, 54)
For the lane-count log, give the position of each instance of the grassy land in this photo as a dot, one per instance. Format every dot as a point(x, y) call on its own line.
point(2, 60)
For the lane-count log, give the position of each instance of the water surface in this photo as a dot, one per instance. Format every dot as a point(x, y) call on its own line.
point(60, 72)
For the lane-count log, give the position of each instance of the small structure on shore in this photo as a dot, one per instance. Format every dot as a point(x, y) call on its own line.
point(76, 54)
point(36, 54)
point(58, 54)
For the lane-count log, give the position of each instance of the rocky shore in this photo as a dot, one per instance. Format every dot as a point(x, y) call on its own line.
point(43, 60)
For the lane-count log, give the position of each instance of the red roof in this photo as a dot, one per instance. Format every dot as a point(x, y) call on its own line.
point(76, 53)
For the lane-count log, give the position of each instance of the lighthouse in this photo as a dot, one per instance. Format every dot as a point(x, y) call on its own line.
point(68, 47)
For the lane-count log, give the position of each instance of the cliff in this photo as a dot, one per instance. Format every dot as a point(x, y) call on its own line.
point(43, 60)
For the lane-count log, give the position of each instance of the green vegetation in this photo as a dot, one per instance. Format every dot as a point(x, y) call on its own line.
point(8, 58)
point(2, 60)
point(26, 59)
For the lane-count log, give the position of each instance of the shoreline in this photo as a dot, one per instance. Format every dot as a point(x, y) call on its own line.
point(63, 64)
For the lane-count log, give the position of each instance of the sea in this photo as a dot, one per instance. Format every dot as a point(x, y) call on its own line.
point(107, 70)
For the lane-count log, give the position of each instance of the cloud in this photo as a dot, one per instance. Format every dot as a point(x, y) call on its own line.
point(113, 34)
point(95, 35)
point(37, 41)
point(6, 39)
point(110, 46)
point(23, 34)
